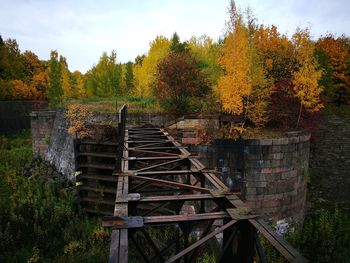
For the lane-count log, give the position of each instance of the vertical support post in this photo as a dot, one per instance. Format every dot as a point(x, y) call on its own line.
point(202, 202)
point(241, 248)
point(246, 248)
point(119, 243)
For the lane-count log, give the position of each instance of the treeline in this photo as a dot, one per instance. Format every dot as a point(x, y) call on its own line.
point(254, 72)
point(23, 76)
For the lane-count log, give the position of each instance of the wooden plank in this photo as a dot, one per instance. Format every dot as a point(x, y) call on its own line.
point(123, 248)
point(213, 178)
point(106, 178)
point(96, 165)
point(90, 142)
point(184, 218)
point(169, 183)
point(153, 158)
point(159, 165)
point(235, 200)
point(164, 172)
point(241, 213)
point(96, 200)
point(282, 246)
point(122, 221)
point(100, 155)
point(149, 145)
point(96, 189)
point(114, 247)
point(97, 212)
point(200, 242)
point(154, 152)
point(149, 141)
point(167, 198)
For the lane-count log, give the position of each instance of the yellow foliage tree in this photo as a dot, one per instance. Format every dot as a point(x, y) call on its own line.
point(244, 89)
point(79, 87)
point(65, 80)
point(207, 52)
point(234, 86)
point(305, 78)
point(145, 74)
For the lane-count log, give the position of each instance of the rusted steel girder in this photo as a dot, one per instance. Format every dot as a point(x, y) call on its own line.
point(157, 182)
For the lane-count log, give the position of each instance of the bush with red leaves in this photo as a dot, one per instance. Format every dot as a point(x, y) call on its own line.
point(285, 107)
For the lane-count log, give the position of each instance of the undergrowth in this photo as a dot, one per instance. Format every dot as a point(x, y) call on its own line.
point(39, 219)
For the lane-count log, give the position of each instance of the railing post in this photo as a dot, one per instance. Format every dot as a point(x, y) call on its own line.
point(122, 113)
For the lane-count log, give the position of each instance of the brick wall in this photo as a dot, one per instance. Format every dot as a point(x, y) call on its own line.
point(330, 162)
point(275, 176)
point(270, 173)
point(41, 123)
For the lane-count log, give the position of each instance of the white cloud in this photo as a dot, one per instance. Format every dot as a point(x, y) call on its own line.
point(82, 30)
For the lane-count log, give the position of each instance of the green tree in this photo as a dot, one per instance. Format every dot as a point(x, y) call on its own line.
point(207, 53)
point(104, 79)
point(129, 77)
point(11, 61)
point(55, 91)
point(176, 45)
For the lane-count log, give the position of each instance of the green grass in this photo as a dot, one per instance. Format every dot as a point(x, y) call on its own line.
point(39, 218)
point(140, 105)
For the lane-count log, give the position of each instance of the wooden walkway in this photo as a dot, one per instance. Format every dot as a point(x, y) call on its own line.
point(159, 184)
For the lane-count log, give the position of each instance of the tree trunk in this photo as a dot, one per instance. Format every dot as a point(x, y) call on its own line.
point(300, 110)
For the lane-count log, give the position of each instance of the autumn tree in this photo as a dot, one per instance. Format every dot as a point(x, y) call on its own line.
point(24, 91)
point(244, 89)
point(40, 81)
point(129, 77)
point(207, 52)
point(55, 91)
point(179, 82)
point(146, 73)
point(176, 45)
point(104, 79)
point(79, 85)
point(11, 61)
point(66, 79)
point(79, 119)
point(333, 56)
point(305, 78)
point(276, 52)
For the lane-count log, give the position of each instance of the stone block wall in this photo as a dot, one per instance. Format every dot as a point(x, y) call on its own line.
point(271, 173)
point(275, 176)
point(41, 123)
point(330, 161)
point(60, 152)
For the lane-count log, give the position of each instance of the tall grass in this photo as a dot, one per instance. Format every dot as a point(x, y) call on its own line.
point(142, 105)
point(39, 218)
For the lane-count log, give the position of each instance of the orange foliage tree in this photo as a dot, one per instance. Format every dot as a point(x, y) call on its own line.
point(78, 119)
point(24, 91)
point(334, 54)
point(276, 51)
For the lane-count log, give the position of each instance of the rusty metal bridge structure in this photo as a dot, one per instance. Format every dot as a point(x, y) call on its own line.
point(157, 195)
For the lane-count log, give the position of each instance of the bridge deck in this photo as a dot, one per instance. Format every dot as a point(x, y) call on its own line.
point(160, 184)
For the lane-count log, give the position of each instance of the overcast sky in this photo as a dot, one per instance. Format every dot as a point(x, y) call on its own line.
point(82, 30)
